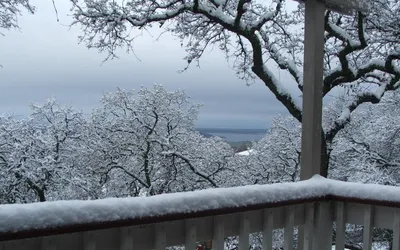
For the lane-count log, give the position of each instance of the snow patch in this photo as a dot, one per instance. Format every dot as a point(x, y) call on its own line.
point(374, 62)
point(247, 152)
point(345, 115)
point(345, 35)
point(264, 17)
point(219, 14)
point(380, 91)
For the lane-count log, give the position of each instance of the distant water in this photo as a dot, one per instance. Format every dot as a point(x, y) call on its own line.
point(234, 135)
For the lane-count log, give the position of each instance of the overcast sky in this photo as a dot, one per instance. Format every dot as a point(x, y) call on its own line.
point(44, 59)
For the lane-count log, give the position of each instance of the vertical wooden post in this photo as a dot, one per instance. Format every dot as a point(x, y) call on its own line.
point(307, 231)
point(126, 238)
point(368, 227)
point(268, 226)
point(218, 241)
point(312, 106)
point(324, 219)
point(48, 243)
point(244, 232)
point(160, 239)
point(312, 89)
point(340, 225)
point(288, 231)
point(396, 229)
point(190, 234)
point(88, 241)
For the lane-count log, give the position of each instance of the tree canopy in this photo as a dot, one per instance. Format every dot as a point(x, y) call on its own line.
point(362, 52)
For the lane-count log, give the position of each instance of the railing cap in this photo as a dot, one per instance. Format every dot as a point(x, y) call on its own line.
point(38, 219)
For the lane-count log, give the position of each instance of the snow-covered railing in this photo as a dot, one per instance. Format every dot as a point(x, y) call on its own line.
point(185, 218)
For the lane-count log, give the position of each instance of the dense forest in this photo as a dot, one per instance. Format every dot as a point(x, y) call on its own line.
point(145, 143)
point(142, 143)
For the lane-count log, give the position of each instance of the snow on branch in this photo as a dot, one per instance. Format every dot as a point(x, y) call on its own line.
point(342, 34)
point(11, 10)
point(267, 16)
point(349, 74)
point(284, 63)
point(344, 118)
point(16, 218)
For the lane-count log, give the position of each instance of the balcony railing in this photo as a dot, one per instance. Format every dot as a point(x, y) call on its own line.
point(186, 218)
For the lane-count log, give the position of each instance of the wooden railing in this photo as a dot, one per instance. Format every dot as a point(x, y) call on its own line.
point(187, 218)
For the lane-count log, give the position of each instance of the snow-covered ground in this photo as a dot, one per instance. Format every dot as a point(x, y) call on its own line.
point(247, 152)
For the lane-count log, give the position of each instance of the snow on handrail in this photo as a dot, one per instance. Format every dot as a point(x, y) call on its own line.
point(49, 218)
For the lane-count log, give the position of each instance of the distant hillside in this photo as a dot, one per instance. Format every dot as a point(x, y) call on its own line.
point(234, 135)
point(240, 146)
point(232, 130)
point(205, 134)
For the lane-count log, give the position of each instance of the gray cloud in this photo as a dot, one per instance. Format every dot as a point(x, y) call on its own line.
point(45, 60)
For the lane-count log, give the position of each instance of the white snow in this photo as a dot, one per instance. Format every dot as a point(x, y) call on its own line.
point(334, 70)
point(20, 217)
point(345, 115)
point(158, 16)
point(219, 14)
point(265, 17)
point(334, 247)
point(345, 35)
point(396, 67)
point(280, 88)
point(397, 84)
point(380, 90)
point(377, 62)
point(288, 63)
point(220, 2)
point(246, 152)
point(246, 6)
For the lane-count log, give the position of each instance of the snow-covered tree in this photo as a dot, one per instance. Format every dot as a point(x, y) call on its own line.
point(359, 49)
point(10, 10)
point(40, 155)
point(11, 190)
point(368, 149)
point(145, 143)
point(137, 143)
point(276, 157)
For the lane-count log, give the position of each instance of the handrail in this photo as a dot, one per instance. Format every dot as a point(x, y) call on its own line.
point(18, 221)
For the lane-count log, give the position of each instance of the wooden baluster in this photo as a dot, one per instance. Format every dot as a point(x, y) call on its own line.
point(126, 238)
point(268, 226)
point(160, 237)
point(289, 224)
point(48, 243)
point(88, 241)
point(340, 225)
point(308, 226)
point(218, 233)
point(368, 226)
point(244, 232)
point(324, 225)
point(396, 229)
point(190, 234)
point(300, 237)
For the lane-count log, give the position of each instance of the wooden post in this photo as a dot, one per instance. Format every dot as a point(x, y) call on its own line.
point(312, 89)
point(324, 232)
point(312, 107)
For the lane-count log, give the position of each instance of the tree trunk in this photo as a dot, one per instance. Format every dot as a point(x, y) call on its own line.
point(40, 193)
point(325, 155)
